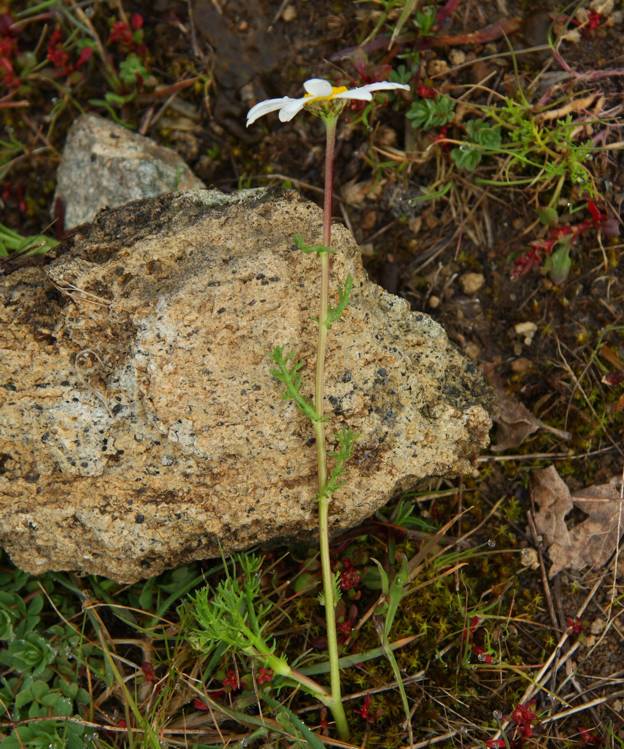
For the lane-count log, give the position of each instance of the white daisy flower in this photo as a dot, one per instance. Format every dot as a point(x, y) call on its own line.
point(317, 90)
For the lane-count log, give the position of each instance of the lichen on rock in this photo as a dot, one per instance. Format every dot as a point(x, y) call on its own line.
point(140, 427)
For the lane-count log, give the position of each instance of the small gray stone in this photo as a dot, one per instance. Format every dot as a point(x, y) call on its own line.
point(105, 165)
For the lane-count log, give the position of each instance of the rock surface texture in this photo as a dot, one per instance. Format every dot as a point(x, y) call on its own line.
point(140, 427)
point(106, 166)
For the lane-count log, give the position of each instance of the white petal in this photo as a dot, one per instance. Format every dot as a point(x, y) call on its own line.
point(290, 109)
point(317, 87)
point(362, 94)
point(385, 86)
point(265, 107)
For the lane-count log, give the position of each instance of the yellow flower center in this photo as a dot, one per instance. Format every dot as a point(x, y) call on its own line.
point(335, 91)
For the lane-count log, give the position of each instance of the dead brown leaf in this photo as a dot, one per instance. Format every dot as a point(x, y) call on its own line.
point(588, 544)
point(515, 422)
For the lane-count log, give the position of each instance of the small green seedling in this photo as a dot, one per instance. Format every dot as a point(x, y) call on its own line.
point(392, 594)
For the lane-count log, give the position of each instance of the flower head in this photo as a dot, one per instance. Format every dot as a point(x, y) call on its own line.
point(318, 91)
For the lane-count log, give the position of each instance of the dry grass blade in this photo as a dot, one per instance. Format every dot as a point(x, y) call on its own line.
point(409, 8)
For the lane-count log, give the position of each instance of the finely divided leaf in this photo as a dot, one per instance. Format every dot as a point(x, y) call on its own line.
point(319, 249)
point(344, 294)
point(287, 372)
point(346, 439)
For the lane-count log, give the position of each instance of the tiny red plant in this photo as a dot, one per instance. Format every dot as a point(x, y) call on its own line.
point(148, 672)
point(136, 21)
point(426, 92)
point(6, 24)
point(364, 710)
point(473, 625)
point(524, 717)
point(265, 675)
point(540, 249)
point(613, 378)
point(482, 655)
point(344, 630)
point(60, 57)
point(120, 34)
point(575, 626)
point(199, 705)
point(589, 738)
point(15, 193)
point(129, 36)
point(57, 54)
point(593, 22)
point(528, 261)
point(86, 53)
point(8, 46)
point(350, 578)
point(231, 680)
point(596, 214)
point(8, 51)
point(495, 743)
point(441, 138)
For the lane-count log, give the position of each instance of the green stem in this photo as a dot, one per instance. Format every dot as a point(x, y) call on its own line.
point(336, 707)
point(280, 667)
point(556, 194)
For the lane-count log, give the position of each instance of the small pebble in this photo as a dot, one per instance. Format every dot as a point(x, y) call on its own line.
point(437, 67)
point(289, 13)
point(521, 365)
point(457, 57)
point(527, 330)
point(415, 224)
point(471, 282)
point(597, 626)
point(434, 302)
point(472, 350)
point(529, 558)
point(368, 221)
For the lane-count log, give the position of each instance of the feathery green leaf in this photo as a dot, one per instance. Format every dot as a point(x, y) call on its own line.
point(344, 294)
point(287, 372)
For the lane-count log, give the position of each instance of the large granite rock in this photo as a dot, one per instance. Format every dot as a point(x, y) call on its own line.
point(104, 165)
point(140, 427)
